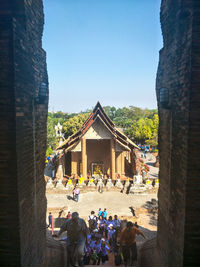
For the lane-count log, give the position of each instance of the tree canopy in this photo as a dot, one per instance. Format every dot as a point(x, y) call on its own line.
point(74, 124)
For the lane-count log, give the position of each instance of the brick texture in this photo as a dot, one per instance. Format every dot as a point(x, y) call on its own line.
point(23, 114)
point(179, 143)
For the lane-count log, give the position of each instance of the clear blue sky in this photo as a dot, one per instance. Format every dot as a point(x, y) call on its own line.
point(104, 50)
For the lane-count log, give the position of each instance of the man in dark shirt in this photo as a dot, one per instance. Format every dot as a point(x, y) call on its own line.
point(76, 238)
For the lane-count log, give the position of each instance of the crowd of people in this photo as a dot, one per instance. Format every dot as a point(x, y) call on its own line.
point(104, 235)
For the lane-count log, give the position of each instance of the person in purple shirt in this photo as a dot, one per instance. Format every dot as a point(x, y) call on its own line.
point(111, 233)
point(116, 222)
point(108, 222)
point(101, 224)
point(103, 252)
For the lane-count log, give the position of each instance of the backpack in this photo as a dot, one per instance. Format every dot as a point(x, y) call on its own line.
point(92, 223)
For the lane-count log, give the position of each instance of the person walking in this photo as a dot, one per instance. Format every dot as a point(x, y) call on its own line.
point(116, 222)
point(50, 220)
point(111, 236)
point(92, 221)
point(108, 222)
point(73, 193)
point(100, 212)
point(76, 239)
point(104, 252)
point(76, 192)
point(105, 213)
point(101, 224)
point(128, 243)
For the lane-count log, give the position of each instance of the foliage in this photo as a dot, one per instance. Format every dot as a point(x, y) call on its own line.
point(51, 134)
point(155, 151)
point(52, 121)
point(144, 130)
point(49, 151)
point(74, 124)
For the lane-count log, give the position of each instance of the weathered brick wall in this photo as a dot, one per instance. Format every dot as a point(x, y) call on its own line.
point(9, 218)
point(178, 194)
point(179, 138)
point(56, 253)
point(23, 117)
point(192, 197)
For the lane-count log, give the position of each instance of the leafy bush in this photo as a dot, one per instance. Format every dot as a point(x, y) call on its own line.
point(49, 151)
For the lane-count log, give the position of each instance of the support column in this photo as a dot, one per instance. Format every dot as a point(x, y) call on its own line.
point(84, 157)
point(74, 167)
point(112, 158)
point(118, 163)
point(123, 165)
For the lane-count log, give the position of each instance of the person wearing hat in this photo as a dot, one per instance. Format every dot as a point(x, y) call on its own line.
point(76, 239)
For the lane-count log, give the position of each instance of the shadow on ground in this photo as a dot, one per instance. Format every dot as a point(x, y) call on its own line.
point(152, 208)
point(70, 198)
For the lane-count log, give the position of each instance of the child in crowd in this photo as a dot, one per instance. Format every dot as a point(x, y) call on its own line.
point(100, 212)
point(101, 224)
point(111, 238)
point(94, 257)
point(104, 252)
point(108, 222)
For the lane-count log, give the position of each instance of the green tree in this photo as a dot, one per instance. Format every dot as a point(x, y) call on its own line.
point(73, 124)
point(140, 130)
point(144, 130)
point(153, 140)
point(51, 133)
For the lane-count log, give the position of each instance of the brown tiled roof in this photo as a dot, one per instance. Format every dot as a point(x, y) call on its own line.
point(98, 112)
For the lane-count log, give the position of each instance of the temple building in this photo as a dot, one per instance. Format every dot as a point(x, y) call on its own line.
point(99, 148)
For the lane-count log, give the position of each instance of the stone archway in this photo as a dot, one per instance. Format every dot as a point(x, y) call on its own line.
point(24, 99)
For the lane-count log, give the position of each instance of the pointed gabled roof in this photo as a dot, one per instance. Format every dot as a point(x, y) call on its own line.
point(98, 113)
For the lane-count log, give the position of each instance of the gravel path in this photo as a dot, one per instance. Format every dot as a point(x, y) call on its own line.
point(115, 202)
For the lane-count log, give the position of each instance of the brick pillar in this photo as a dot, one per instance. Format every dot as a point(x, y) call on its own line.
point(112, 159)
point(84, 157)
